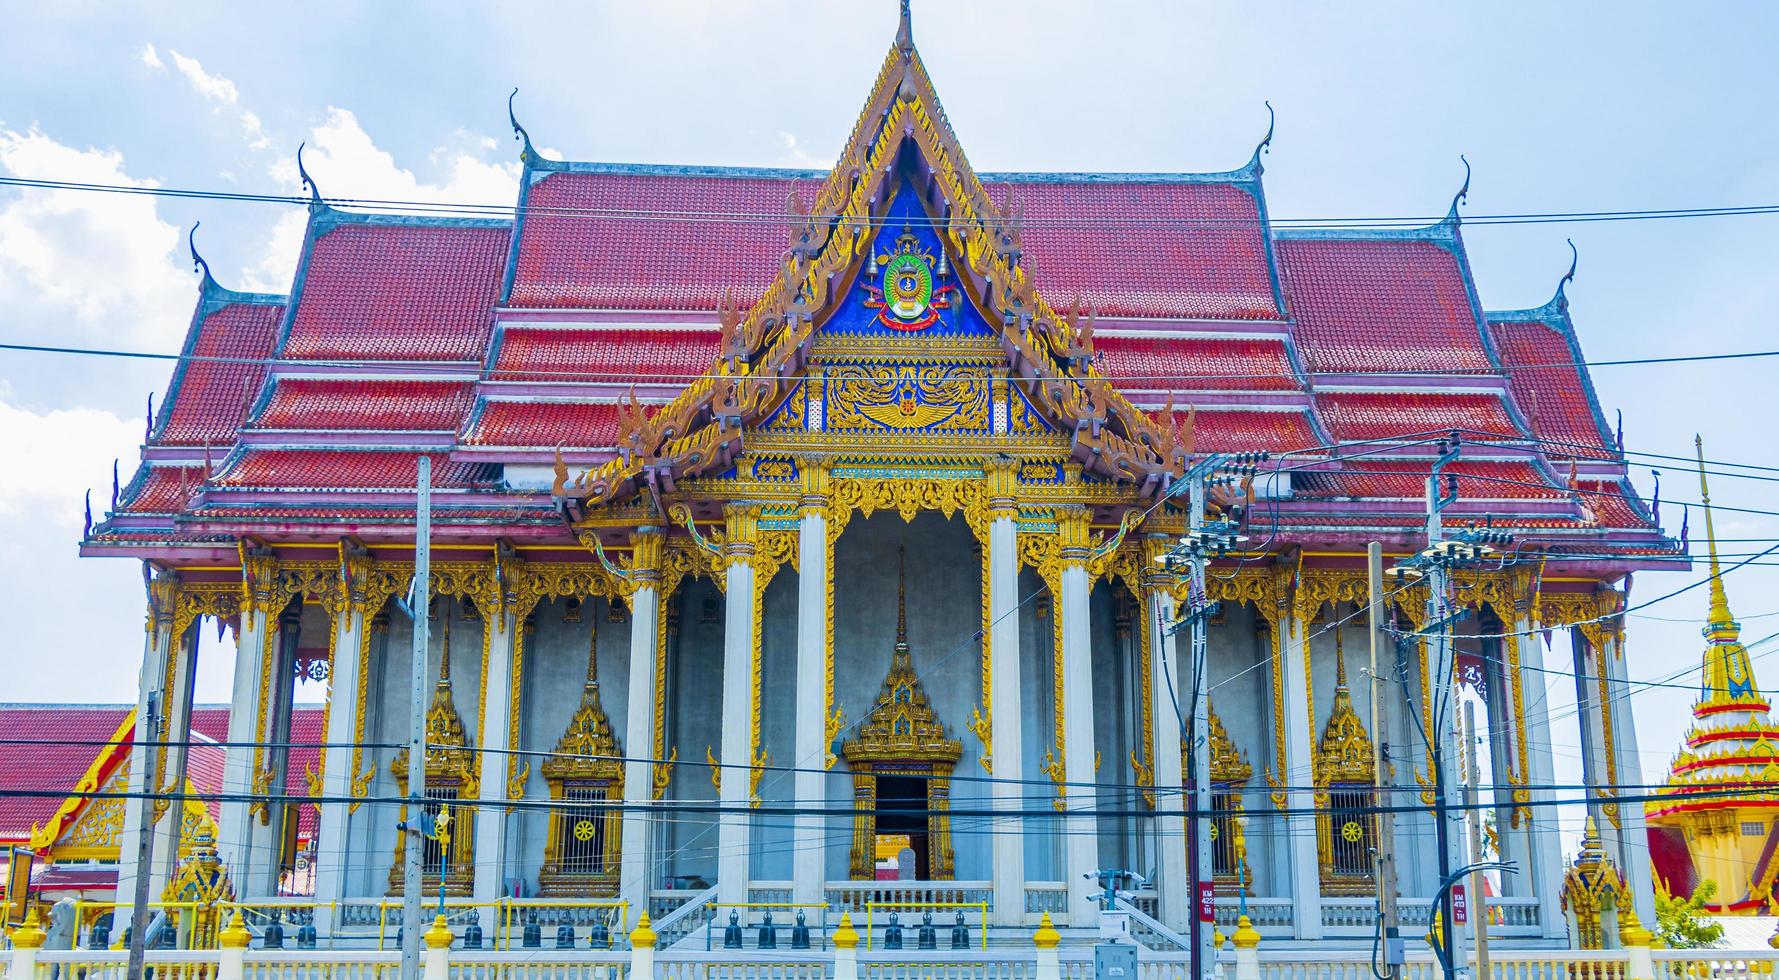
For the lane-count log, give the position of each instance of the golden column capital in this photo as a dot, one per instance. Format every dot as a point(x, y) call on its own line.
point(259, 579)
point(1071, 534)
point(814, 473)
point(1155, 571)
point(741, 531)
point(648, 548)
point(163, 601)
point(1002, 477)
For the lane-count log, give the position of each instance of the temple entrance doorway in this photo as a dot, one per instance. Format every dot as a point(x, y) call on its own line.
point(902, 822)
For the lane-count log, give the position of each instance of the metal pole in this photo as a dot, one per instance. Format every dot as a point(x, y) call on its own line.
point(147, 730)
point(1198, 780)
point(413, 864)
point(1479, 903)
point(1386, 836)
point(1439, 689)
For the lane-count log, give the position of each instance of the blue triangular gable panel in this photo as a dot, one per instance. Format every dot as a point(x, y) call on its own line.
point(906, 297)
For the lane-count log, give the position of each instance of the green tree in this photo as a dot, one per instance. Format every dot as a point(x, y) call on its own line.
point(1681, 922)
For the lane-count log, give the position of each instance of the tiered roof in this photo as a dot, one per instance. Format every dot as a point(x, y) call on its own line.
point(494, 345)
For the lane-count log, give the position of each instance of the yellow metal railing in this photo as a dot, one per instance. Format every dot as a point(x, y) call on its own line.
point(872, 907)
point(87, 913)
point(507, 912)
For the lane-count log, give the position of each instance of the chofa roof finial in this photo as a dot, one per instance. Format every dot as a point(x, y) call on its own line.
point(1463, 195)
point(1266, 141)
point(308, 181)
point(905, 31)
point(527, 154)
point(197, 261)
point(1568, 277)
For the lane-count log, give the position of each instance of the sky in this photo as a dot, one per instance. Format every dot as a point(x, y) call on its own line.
point(1558, 107)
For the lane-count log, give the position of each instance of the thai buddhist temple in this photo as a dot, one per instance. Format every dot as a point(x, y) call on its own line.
point(792, 530)
point(1713, 821)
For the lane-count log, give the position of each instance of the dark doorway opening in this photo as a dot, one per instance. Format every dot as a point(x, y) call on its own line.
point(902, 809)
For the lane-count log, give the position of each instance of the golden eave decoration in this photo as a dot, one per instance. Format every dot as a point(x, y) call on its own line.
point(1050, 353)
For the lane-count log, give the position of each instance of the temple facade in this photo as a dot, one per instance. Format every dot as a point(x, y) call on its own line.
point(792, 530)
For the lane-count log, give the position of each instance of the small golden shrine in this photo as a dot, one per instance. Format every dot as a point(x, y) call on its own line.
point(586, 776)
point(1593, 891)
point(450, 776)
point(1346, 785)
point(902, 744)
point(204, 883)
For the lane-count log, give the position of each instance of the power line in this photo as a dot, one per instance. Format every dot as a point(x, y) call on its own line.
point(418, 371)
point(784, 218)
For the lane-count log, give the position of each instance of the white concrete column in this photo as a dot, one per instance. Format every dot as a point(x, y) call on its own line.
point(167, 830)
point(1301, 862)
point(332, 836)
point(163, 596)
point(636, 862)
point(1544, 867)
point(815, 567)
point(734, 859)
point(1080, 828)
point(1006, 758)
point(1178, 904)
point(253, 654)
point(494, 736)
point(1633, 854)
point(1589, 667)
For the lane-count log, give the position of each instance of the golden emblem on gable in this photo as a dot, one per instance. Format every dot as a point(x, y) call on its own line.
point(908, 397)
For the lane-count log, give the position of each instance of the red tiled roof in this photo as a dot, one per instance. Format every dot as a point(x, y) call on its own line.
point(1239, 432)
point(1611, 509)
point(1356, 416)
point(398, 292)
point(1205, 258)
point(332, 512)
point(54, 766)
point(527, 354)
point(1147, 249)
point(317, 403)
point(1380, 305)
point(163, 490)
point(73, 735)
point(339, 469)
point(1195, 363)
point(1548, 386)
point(568, 258)
point(209, 398)
point(1408, 479)
point(580, 425)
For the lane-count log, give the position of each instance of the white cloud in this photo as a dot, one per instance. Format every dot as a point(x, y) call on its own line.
point(346, 162)
point(50, 455)
point(256, 132)
point(152, 58)
point(88, 266)
point(216, 88)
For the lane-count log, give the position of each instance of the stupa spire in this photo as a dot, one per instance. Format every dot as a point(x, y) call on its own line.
point(1720, 619)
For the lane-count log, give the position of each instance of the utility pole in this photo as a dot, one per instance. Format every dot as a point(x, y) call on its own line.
point(1479, 902)
point(147, 732)
point(1385, 875)
point(1440, 688)
point(1468, 546)
point(1202, 542)
point(1197, 779)
point(414, 852)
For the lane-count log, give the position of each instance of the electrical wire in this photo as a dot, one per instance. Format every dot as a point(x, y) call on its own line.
point(784, 218)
